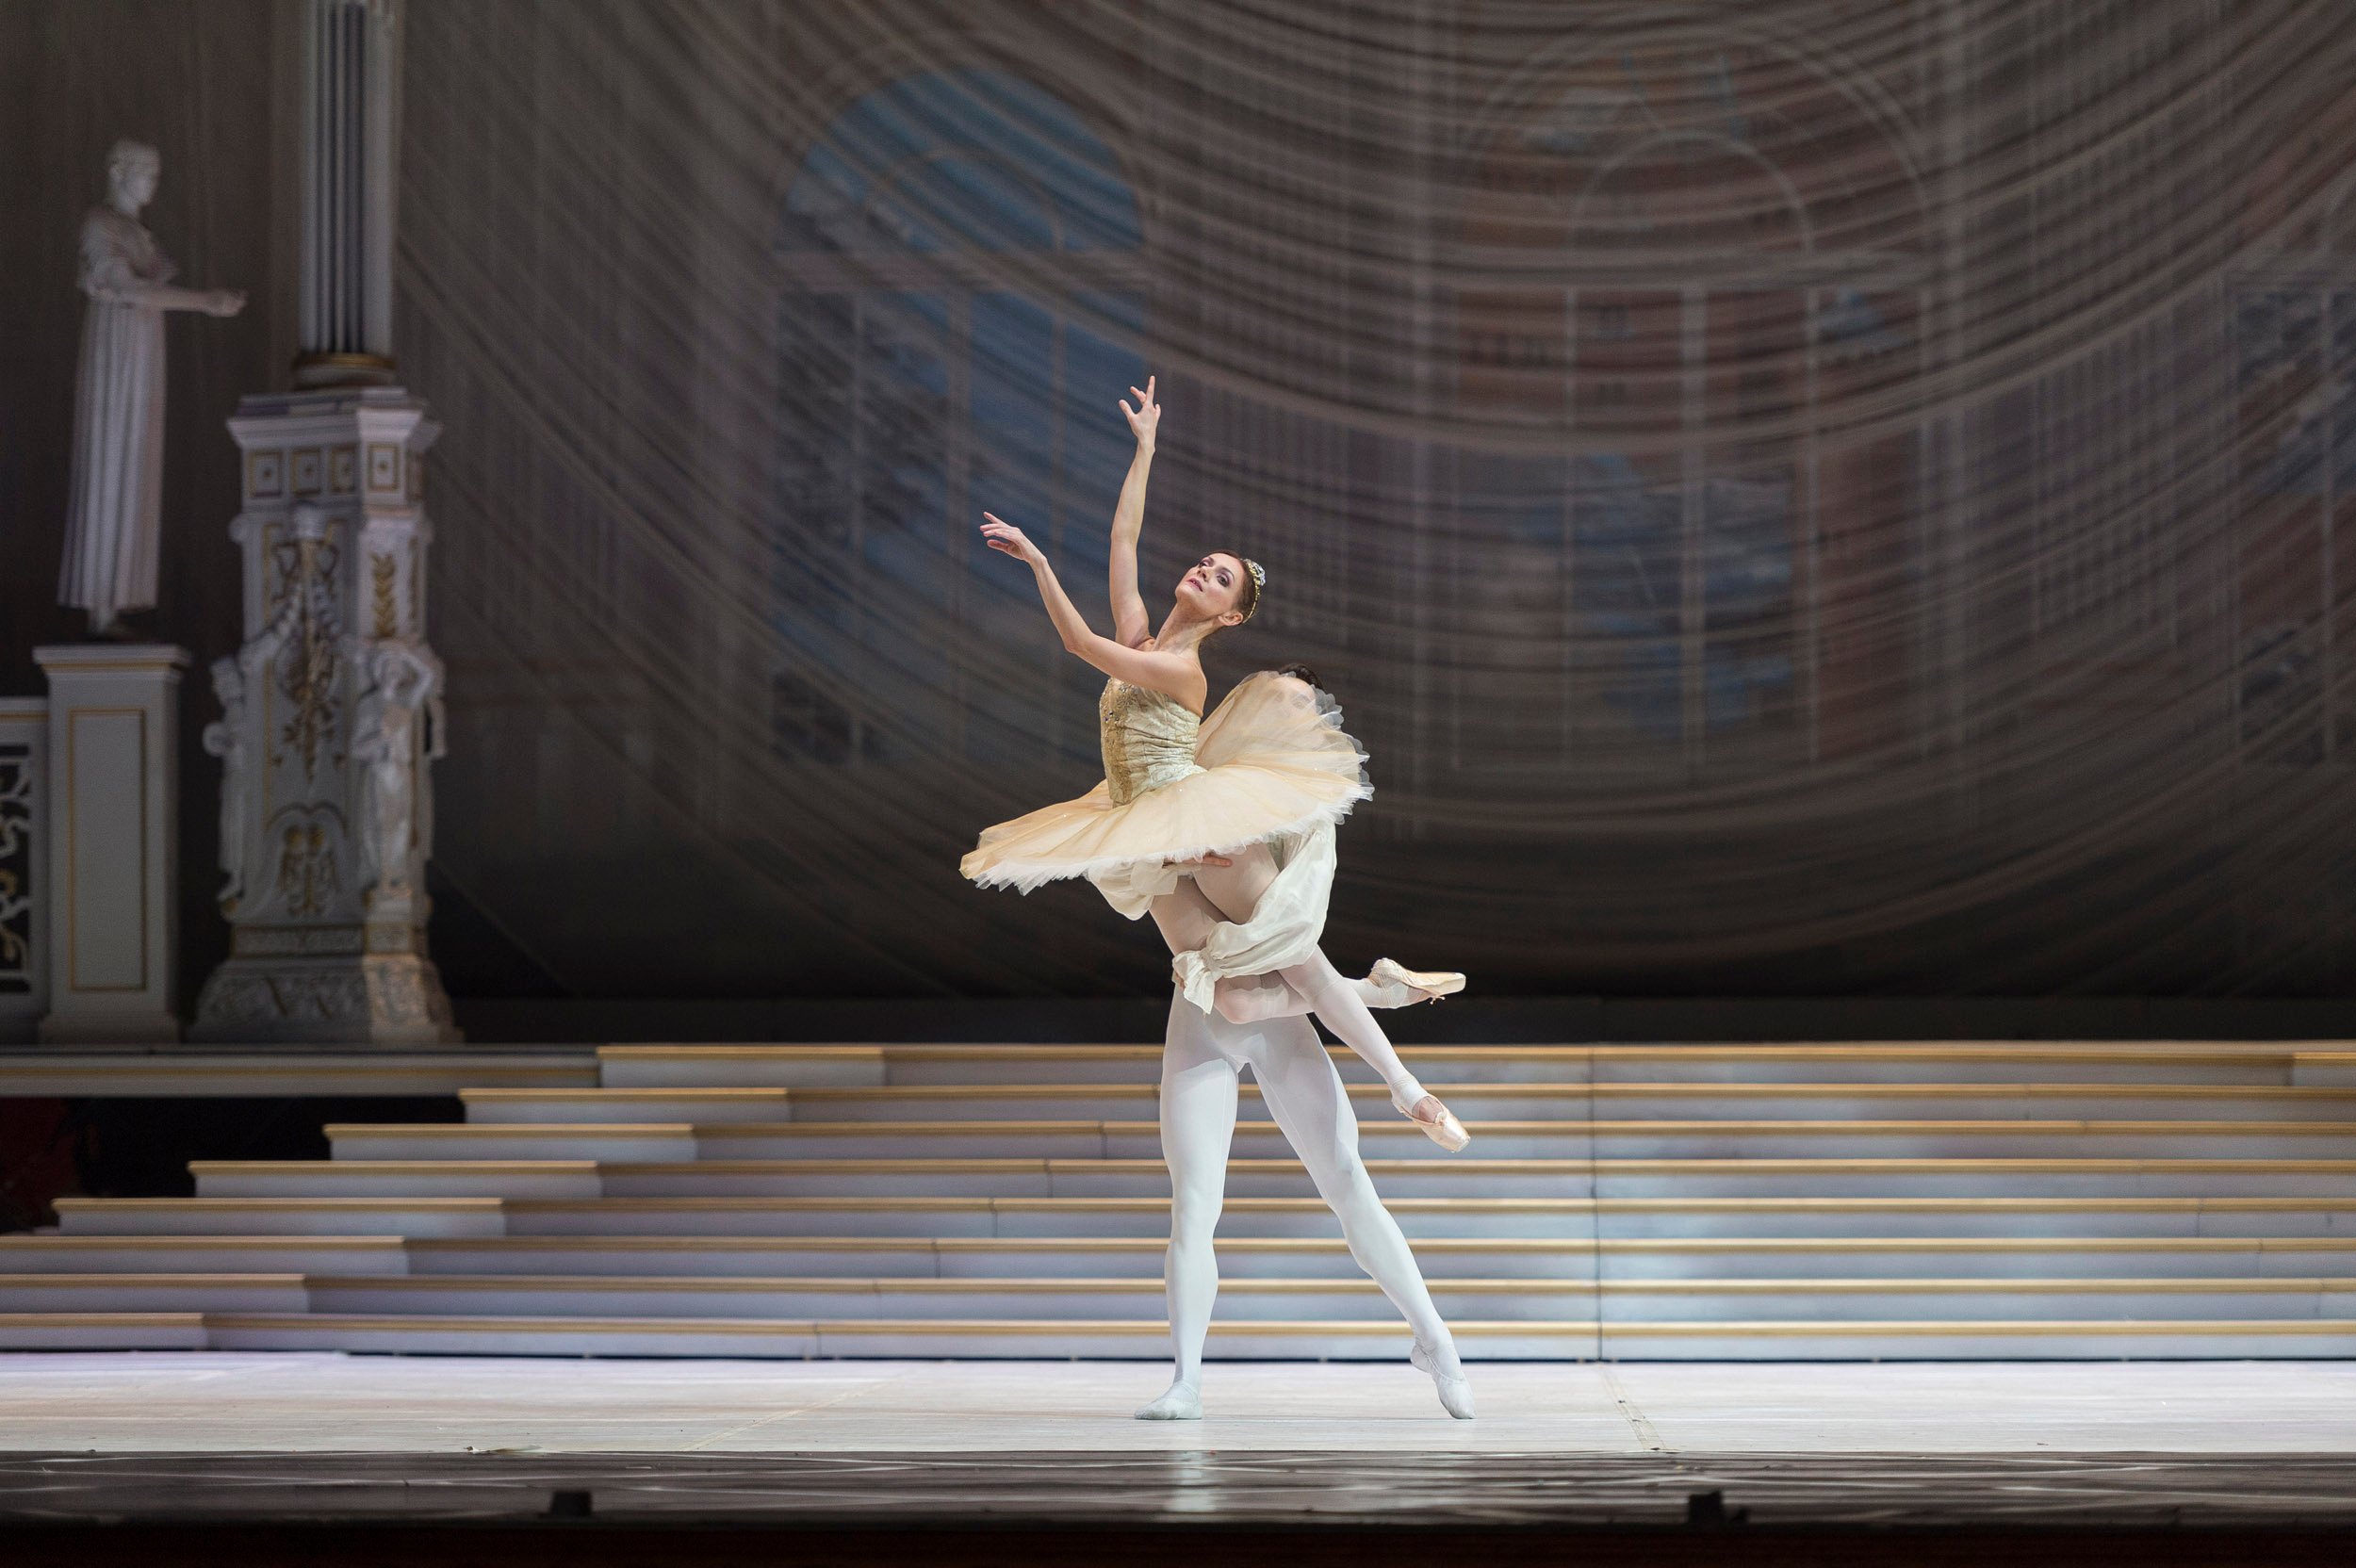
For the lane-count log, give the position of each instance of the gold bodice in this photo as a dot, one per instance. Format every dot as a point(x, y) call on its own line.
point(1149, 740)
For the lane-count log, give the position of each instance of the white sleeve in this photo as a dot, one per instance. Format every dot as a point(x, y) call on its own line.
point(1283, 929)
point(1131, 887)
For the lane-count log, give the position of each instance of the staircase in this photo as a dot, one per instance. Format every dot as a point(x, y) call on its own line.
point(1705, 1202)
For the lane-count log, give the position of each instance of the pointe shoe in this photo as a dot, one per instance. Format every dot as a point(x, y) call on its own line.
point(1180, 1402)
point(1443, 1128)
point(1456, 1395)
point(1417, 985)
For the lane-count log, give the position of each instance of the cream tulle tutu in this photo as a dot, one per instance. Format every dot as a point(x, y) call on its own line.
point(1271, 761)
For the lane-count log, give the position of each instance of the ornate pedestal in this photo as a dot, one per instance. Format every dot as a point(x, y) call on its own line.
point(24, 866)
point(113, 851)
point(331, 717)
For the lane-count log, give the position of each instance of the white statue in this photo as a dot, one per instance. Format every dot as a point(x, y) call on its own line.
point(112, 523)
point(224, 738)
point(384, 740)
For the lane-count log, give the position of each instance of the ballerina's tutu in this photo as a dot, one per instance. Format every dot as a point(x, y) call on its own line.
point(1270, 762)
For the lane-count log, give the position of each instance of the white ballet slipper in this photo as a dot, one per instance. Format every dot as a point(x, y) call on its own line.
point(1180, 1401)
point(1411, 986)
point(1456, 1395)
point(1442, 1129)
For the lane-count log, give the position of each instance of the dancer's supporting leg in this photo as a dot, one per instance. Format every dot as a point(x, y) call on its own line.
point(1305, 1097)
point(1198, 1113)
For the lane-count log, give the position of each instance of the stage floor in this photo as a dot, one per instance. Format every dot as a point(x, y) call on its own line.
point(292, 1438)
point(295, 1402)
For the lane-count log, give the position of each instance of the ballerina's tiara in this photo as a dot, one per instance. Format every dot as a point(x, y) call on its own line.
point(1259, 584)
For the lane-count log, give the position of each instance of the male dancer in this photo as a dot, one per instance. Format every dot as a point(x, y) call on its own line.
point(1202, 1057)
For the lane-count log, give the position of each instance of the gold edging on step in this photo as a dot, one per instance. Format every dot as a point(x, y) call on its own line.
point(1792, 1127)
point(723, 1052)
point(275, 1238)
point(377, 1323)
point(334, 1130)
point(1067, 1330)
point(867, 1286)
point(1077, 1165)
point(2015, 1329)
point(1022, 1204)
point(389, 1167)
point(597, 1092)
point(211, 1281)
point(373, 1205)
point(1333, 1245)
point(101, 1320)
point(751, 1205)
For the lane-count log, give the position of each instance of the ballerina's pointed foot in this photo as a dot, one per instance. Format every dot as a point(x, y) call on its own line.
point(1428, 1112)
point(1456, 1395)
point(1183, 1402)
point(1412, 986)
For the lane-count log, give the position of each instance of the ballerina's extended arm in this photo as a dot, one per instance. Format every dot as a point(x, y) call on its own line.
point(1177, 675)
point(1131, 624)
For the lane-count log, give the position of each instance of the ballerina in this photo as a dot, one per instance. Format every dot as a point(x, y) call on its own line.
point(1222, 830)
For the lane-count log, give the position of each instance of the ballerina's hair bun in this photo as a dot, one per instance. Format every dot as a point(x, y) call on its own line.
point(1301, 672)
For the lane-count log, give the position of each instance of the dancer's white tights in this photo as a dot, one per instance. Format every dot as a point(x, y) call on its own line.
point(1201, 1061)
point(1230, 893)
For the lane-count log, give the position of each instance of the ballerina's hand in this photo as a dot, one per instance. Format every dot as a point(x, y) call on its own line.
point(1202, 860)
point(1008, 540)
point(1146, 417)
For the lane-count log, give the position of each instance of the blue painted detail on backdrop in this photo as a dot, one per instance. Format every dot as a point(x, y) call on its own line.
point(1626, 589)
point(954, 401)
point(970, 160)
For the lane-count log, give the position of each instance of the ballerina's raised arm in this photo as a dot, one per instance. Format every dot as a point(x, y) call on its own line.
point(1175, 673)
point(1131, 625)
point(1208, 598)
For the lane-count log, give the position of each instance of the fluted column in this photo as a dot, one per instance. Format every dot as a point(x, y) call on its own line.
point(331, 710)
point(350, 168)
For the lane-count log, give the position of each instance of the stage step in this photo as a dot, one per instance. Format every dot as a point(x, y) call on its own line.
point(1473, 1102)
point(1141, 1257)
point(1140, 1340)
point(173, 1071)
point(804, 1066)
point(1323, 1299)
point(121, 1291)
point(2336, 1069)
point(1476, 1102)
point(1390, 1138)
point(1339, 1299)
point(282, 1217)
point(397, 1178)
point(1460, 1177)
point(1419, 1218)
point(197, 1254)
point(1888, 1199)
point(700, 1105)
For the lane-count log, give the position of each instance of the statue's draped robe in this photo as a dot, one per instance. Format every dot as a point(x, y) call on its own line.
point(115, 516)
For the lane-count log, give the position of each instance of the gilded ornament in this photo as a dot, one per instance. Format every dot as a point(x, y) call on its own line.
point(384, 577)
point(307, 869)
